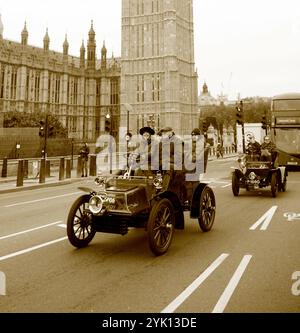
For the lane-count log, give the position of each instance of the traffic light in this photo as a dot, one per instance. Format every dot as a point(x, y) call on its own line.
point(240, 113)
point(42, 130)
point(107, 124)
point(264, 122)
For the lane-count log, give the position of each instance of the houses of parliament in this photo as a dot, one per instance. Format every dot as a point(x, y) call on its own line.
point(155, 75)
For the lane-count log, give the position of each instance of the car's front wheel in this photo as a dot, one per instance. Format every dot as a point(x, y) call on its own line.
point(80, 229)
point(161, 226)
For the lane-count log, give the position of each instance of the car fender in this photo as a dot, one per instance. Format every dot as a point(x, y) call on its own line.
point(283, 173)
point(238, 173)
point(195, 209)
point(86, 190)
point(278, 172)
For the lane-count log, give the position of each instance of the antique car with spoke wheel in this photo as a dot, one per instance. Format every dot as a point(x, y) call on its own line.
point(152, 202)
point(255, 175)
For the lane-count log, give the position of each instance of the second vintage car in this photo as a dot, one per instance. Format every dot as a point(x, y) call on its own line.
point(253, 174)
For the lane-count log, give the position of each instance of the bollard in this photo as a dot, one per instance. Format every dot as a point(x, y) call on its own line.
point(48, 169)
point(25, 169)
point(62, 169)
point(68, 169)
point(79, 167)
point(4, 168)
point(20, 177)
point(93, 168)
point(43, 171)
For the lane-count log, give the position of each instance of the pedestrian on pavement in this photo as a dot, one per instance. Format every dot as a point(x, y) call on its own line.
point(84, 157)
point(220, 150)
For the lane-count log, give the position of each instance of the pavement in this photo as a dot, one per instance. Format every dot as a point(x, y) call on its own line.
point(9, 184)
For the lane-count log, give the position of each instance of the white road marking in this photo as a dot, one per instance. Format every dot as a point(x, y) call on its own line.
point(189, 290)
point(291, 216)
point(265, 220)
point(29, 230)
point(233, 283)
point(31, 249)
point(43, 199)
point(64, 226)
point(2, 284)
point(226, 185)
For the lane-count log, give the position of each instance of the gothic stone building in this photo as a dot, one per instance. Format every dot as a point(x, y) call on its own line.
point(154, 83)
point(159, 80)
point(81, 91)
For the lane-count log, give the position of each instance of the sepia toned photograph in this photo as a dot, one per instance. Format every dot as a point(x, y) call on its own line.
point(149, 159)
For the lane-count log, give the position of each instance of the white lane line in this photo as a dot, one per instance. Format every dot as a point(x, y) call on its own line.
point(43, 199)
point(265, 220)
point(233, 283)
point(29, 230)
point(64, 226)
point(2, 284)
point(226, 185)
point(189, 290)
point(31, 249)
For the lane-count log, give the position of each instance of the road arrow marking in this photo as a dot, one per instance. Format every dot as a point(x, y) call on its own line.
point(190, 289)
point(265, 219)
point(233, 283)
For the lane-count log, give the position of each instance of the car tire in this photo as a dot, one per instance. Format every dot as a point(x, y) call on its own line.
point(235, 185)
point(274, 185)
point(161, 226)
point(207, 211)
point(80, 228)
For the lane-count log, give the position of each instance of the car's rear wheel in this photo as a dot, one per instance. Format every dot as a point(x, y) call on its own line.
point(207, 210)
point(80, 229)
point(161, 226)
point(274, 185)
point(235, 185)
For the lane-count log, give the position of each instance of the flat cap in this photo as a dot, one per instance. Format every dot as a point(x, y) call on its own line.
point(196, 131)
point(166, 129)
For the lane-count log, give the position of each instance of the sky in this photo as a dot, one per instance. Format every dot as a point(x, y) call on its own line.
point(242, 47)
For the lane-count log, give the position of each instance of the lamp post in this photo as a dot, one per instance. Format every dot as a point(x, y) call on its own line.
point(108, 130)
point(128, 108)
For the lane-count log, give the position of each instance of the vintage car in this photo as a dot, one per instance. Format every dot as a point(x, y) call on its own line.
point(124, 201)
point(254, 174)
